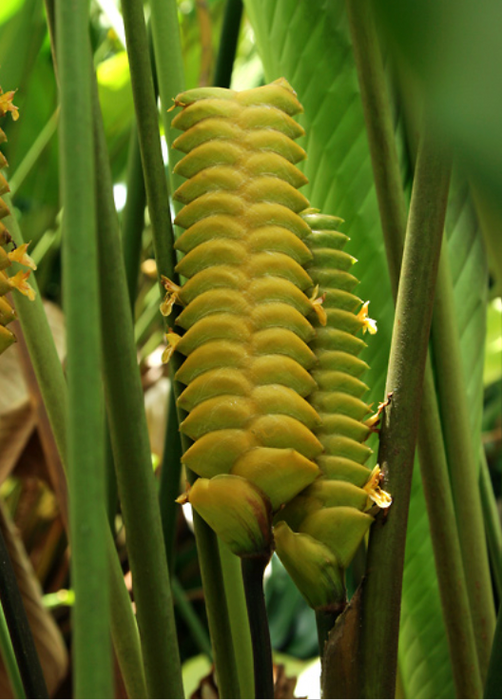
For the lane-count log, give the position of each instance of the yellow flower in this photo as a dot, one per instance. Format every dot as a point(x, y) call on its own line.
point(172, 339)
point(7, 106)
point(372, 488)
point(317, 304)
point(19, 282)
point(172, 296)
point(369, 324)
point(20, 255)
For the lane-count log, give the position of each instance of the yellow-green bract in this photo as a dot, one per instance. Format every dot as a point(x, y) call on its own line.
point(318, 532)
point(273, 390)
point(246, 333)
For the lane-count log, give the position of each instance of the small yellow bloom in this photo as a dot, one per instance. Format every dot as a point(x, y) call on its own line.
point(172, 341)
point(172, 296)
point(317, 304)
point(372, 488)
point(369, 324)
point(7, 106)
point(19, 282)
point(20, 255)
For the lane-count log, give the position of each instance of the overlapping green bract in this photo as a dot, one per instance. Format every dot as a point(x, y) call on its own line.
point(255, 257)
point(328, 520)
point(247, 335)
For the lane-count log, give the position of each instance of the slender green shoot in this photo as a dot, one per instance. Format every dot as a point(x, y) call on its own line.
point(149, 138)
point(228, 43)
point(131, 448)
point(134, 216)
point(464, 463)
point(447, 549)
point(392, 206)
point(252, 574)
point(53, 389)
point(382, 589)
point(92, 648)
point(170, 476)
point(239, 622)
point(170, 72)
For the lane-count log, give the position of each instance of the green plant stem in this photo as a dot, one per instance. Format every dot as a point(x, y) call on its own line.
point(170, 475)
point(43, 353)
point(134, 216)
point(170, 72)
point(447, 550)
point(9, 658)
point(400, 419)
point(149, 140)
point(252, 574)
point(463, 461)
point(380, 130)
point(124, 629)
point(216, 607)
point(228, 43)
point(91, 642)
point(34, 153)
point(157, 197)
point(393, 215)
point(492, 522)
point(27, 659)
point(239, 622)
point(53, 389)
point(135, 478)
point(197, 631)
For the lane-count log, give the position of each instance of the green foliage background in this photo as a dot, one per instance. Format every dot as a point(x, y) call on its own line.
point(309, 44)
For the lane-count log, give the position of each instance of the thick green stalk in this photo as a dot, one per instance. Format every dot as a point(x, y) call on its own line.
point(239, 622)
point(170, 475)
point(380, 130)
point(157, 196)
point(9, 658)
point(43, 353)
point(125, 635)
point(252, 574)
point(447, 549)
point(20, 634)
point(228, 43)
point(53, 389)
point(463, 461)
point(135, 478)
point(134, 216)
point(170, 72)
point(401, 418)
point(393, 215)
point(217, 611)
point(492, 522)
point(91, 642)
point(149, 139)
